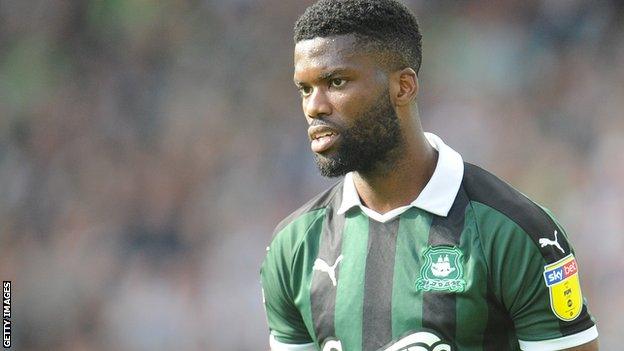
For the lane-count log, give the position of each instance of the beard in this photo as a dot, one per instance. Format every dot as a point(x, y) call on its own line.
point(367, 144)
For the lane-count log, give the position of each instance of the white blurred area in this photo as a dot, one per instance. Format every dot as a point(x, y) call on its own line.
point(147, 150)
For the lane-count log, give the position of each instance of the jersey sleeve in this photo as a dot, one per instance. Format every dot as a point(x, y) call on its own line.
point(285, 321)
point(536, 277)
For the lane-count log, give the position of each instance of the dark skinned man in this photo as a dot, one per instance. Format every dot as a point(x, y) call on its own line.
point(414, 249)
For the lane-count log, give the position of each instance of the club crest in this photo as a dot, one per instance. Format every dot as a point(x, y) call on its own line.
point(442, 270)
point(563, 283)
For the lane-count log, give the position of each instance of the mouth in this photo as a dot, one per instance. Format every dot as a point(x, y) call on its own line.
point(322, 138)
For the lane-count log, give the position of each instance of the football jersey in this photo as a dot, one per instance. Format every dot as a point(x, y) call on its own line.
point(494, 271)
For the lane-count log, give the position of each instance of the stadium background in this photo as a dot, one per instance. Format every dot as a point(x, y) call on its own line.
point(147, 149)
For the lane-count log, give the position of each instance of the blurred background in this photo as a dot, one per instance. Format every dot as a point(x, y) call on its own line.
point(148, 148)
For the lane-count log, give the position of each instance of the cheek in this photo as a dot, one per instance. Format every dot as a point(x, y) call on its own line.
point(351, 105)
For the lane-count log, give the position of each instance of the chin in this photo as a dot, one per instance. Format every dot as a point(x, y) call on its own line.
point(330, 167)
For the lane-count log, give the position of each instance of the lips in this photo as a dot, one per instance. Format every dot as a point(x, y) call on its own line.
point(322, 138)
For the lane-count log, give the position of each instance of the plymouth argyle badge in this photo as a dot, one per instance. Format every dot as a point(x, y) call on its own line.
point(442, 270)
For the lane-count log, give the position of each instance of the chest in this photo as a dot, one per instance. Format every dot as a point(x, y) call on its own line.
point(385, 281)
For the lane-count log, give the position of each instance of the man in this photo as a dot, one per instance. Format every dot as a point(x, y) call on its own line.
point(414, 249)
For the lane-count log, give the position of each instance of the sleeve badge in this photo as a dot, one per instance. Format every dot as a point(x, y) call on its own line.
point(563, 283)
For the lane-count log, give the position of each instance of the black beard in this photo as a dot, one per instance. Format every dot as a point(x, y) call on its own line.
point(367, 144)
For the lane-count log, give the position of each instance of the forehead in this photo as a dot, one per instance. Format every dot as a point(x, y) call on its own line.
point(314, 56)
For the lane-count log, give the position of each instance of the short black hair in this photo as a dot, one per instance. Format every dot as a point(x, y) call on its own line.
point(387, 25)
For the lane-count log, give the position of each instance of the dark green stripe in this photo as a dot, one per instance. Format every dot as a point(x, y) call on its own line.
point(377, 320)
point(471, 305)
point(496, 336)
point(406, 300)
point(439, 310)
point(322, 289)
point(350, 294)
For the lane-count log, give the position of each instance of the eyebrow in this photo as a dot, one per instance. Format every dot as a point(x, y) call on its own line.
point(326, 75)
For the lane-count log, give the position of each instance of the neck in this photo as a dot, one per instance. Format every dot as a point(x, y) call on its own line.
point(400, 181)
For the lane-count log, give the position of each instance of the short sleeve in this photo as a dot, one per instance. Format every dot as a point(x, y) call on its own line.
point(536, 276)
point(285, 321)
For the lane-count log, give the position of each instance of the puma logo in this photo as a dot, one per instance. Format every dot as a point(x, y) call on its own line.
point(545, 241)
point(320, 265)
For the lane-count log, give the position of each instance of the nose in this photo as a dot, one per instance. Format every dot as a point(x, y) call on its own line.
point(317, 105)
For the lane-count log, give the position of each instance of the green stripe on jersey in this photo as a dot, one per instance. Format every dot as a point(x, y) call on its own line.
point(350, 293)
point(411, 242)
point(471, 308)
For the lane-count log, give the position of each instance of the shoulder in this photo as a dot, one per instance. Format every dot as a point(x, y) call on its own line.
point(293, 232)
point(292, 228)
point(497, 204)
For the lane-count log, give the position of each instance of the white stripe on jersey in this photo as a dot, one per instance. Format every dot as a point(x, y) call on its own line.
point(561, 343)
point(280, 346)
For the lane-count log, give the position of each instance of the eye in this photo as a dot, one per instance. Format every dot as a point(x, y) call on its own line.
point(305, 91)
point(337, 82)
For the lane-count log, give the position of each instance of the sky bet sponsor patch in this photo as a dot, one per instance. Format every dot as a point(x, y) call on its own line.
point(562, 280)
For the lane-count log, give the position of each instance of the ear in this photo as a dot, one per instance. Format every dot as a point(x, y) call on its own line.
point(403, 86)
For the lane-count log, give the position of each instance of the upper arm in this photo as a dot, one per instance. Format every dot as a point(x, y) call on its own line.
point(285, 321)
point(538, 284)
point(284, 280)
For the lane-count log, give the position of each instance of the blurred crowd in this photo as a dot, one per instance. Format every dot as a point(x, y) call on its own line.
point(148, 148)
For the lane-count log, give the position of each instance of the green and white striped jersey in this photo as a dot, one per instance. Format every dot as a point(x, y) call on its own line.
point(472, 264)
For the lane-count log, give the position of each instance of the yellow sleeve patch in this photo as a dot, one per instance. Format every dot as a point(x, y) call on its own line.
point(563, 282)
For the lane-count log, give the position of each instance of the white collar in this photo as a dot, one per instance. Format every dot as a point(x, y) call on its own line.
point(438, 195)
